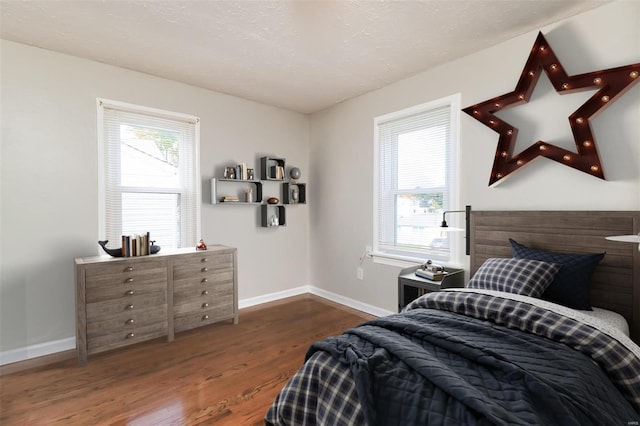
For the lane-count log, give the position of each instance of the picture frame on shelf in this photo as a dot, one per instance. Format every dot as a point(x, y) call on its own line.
point(229, 172)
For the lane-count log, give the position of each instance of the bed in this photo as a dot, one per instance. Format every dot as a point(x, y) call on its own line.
point(527, 342)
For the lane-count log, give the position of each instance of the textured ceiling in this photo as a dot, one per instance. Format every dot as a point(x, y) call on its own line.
point(299, 55)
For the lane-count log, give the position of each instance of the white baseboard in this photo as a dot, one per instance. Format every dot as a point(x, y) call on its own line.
point(272, 297)
point(352, 303)
point(48, 348)
point(37, 350)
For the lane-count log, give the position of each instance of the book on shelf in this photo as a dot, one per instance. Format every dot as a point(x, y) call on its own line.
point(277, 172)
point(433, 276)
point(241, 171)
point(135, 245)
point(229, 199)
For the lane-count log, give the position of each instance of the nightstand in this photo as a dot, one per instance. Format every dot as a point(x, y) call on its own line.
point(411, 286)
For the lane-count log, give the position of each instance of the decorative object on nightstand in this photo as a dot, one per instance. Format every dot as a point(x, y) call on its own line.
point(626, 239)
point(431, 271)
point(411, 286)
point(201, 245)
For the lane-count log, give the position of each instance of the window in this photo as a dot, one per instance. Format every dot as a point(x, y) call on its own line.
point(149, 174)
point(415, 165)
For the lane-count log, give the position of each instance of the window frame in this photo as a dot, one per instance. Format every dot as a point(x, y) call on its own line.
point(196, 192)
point(456, 239)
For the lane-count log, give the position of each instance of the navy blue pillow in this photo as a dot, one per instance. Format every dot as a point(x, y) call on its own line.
point(572, 283)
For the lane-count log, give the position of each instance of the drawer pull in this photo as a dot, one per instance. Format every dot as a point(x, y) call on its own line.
point(129, 293)
point(130, 335)
point(205, 317)
point(129, 307)
point(205, 292)
point(128, 280)
point(204, 269)
point(128, 269)
point(130, 321)
point(205, 305)
point(204, 259)
point(204, 280)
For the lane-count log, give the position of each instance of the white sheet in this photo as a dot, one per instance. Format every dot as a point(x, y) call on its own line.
point(614, 319)
point(610, 327)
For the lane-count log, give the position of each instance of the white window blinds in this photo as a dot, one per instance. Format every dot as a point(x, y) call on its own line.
point(416, 164)
point(149, 176)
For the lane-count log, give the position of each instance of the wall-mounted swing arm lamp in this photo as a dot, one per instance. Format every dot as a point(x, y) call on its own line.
point(467, 227)
point(626, 239)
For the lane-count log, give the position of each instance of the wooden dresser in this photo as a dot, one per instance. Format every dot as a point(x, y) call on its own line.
point(125, 300)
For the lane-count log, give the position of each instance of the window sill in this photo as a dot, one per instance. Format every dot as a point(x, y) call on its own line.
point(395, 260)
point(405, 261)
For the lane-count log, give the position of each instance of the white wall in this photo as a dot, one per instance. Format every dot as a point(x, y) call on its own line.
point(49, 212)
point(342, 141)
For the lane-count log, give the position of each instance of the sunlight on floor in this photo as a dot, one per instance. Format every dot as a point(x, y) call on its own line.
point(166, 414)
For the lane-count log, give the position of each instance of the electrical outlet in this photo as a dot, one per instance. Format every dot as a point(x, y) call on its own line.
point(360, 273)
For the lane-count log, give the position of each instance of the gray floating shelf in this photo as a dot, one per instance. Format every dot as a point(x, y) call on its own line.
point(233, 190)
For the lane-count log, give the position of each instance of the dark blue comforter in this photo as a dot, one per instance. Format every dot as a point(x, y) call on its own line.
point(435, 367)
point(466, 358)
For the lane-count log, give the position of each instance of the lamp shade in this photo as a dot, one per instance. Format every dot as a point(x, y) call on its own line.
point(626, 239)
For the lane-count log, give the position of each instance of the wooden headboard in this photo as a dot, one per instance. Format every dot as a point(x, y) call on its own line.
point(616, 280)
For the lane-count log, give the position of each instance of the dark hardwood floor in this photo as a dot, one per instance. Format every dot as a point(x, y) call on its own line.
point(223, 374)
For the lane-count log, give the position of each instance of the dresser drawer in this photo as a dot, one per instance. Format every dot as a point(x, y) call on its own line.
point(205, 317)
point(201, 263)
point(127, 321)
point(108, 308)
point(125, 272)
point(202, 292)
point(126, 337)
point(203, 305)
point(123, 290)
point(209, 279)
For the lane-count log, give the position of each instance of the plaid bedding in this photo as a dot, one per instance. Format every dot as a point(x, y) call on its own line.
point(323, 391)
point(329, 393)
point(622, 365)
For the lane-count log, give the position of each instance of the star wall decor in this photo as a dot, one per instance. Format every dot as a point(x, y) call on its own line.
point(611, 84)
